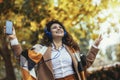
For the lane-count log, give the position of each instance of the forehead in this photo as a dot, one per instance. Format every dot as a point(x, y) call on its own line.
point(55, 24)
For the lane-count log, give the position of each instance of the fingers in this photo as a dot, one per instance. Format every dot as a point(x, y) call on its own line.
point(4, 29)
point(13, 30)
point(100, 37)
point(98, 40)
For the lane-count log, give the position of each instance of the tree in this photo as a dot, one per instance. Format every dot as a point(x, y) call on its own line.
point(30, 16)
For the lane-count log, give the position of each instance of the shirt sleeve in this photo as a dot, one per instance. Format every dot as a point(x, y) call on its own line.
point(14, 42)
point(91, 55)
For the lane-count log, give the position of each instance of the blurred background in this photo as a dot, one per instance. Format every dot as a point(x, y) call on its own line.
point(84, 19)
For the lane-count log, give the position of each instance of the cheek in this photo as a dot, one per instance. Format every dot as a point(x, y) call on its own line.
point(53, 32)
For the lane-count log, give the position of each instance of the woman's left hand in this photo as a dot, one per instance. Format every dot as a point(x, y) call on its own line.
point(98, 40)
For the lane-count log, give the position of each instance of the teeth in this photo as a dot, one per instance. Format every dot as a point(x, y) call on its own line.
point(58, 32)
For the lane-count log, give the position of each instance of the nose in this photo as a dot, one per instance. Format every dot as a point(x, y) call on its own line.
point(58, 27)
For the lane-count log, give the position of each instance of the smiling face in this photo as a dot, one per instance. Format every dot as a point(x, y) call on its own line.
point(57, 30)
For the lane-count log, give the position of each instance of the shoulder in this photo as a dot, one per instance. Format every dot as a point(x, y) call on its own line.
point(39, 48)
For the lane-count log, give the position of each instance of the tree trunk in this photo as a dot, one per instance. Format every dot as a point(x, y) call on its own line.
point(5, 53)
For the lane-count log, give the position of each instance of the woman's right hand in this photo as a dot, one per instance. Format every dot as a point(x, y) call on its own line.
point(12, 36)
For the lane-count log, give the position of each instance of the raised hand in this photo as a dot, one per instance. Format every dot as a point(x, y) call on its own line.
point(12, 36)
point(98, 40)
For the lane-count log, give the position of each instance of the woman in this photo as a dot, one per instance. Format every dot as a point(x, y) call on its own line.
point(55, 58)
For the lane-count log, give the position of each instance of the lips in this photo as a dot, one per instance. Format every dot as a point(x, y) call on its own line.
point(59, 32)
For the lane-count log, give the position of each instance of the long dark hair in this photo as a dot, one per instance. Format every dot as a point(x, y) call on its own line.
point(67, 39)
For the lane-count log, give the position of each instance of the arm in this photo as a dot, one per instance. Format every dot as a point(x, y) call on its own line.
point(91, 55)
point(16, 47)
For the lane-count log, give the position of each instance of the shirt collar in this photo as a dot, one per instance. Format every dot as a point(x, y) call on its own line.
point(53, 46)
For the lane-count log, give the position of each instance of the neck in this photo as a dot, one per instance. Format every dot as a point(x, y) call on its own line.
point(57, 43)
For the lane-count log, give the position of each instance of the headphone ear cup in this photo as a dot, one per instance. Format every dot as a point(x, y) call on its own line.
point(65, 33)
point(48, 33)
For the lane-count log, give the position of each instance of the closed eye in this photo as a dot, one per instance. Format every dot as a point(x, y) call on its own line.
point(55, 27)
point(60, 27)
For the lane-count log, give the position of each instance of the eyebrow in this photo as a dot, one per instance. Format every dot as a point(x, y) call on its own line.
point(56, 26)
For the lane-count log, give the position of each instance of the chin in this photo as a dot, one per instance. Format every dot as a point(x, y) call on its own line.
point(59, 35)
